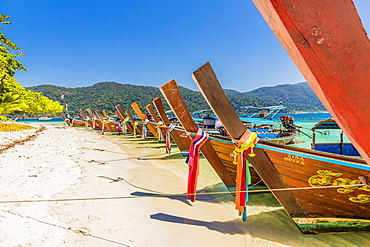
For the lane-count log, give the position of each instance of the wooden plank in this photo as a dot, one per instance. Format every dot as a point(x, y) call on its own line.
point(141, 115)
point(102, 120)
point(105, 114)
point(96, 122)
point(152, 113)
point(133, 121)
point(210, 87)
point(86, 118)
point(122, 116)
point(329, 45)
point(182, 142)
point(172, 94)
point(206, 80)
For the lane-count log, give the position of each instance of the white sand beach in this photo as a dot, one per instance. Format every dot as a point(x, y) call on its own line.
point(72, 163)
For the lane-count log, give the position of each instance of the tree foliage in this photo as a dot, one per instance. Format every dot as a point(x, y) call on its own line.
point(13, 97)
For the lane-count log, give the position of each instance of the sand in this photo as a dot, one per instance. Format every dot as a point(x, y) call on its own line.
point(73, 163)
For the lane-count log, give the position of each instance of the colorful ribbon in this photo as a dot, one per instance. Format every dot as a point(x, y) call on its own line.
point(193, 162)
point(93, 122)
point(124, 126)
point(145, 129)
point(135, 129)
point(243, 148)
point(103, 126)
point(159, 130)
point(169, 129)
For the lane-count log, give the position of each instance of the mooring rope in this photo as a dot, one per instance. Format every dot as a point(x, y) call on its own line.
point(178, 194)
point(78, 231)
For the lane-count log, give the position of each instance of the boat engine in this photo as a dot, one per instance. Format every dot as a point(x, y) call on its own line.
point(287, 121)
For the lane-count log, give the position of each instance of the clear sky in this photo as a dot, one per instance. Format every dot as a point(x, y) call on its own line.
point(75, 43)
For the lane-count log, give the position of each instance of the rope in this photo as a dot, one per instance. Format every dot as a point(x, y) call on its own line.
point(180, 194)
point(83, 232)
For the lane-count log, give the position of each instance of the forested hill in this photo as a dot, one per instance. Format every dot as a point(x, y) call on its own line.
point(106, 95)
point(295, 97)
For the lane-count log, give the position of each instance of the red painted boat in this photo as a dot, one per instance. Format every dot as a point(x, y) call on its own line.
point(329, 45)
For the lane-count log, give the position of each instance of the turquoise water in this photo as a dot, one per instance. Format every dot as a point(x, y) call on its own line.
point(54, 121)
point(306, 120)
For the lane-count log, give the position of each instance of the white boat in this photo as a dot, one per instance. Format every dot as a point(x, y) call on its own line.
point(44, 118)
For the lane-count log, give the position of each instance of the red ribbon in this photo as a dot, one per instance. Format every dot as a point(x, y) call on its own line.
point(193, 162)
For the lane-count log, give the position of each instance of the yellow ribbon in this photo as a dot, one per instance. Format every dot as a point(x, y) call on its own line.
point(135, 128)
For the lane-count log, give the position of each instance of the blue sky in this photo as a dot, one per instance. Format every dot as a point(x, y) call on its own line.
point(75, 43)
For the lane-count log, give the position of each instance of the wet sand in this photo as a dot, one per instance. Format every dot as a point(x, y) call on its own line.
point(75, 163)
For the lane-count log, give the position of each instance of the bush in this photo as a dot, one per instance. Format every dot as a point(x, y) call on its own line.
point(6, 127)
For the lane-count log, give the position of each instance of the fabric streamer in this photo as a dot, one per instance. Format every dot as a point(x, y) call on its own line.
point(145, 129)
point(170, 128)
point(102, 127)
point(243, 148)
point(93, 122)
point(193, 162)
point(135, 129)
point(159, 131)
point(124, 126)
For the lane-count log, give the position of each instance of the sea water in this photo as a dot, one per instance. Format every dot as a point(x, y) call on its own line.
point(309, 120)
point(53, 121)
point(306, 120)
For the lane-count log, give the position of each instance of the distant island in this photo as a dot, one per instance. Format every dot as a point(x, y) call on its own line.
point(106, 95)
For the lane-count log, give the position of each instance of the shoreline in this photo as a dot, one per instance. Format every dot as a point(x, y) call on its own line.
point(63, 162)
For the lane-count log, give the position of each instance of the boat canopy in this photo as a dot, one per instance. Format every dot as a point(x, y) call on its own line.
point(326, 124)
point(335, 148)
point(272, 108)
point(258, 121)
point(201, 111)
point(269, 108)
point(246, 107)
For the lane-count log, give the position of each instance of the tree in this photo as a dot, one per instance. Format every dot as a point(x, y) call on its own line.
point(13, 97)
point(8, 54)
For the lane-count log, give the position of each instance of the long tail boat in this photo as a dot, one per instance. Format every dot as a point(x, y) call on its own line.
point(122, 116)
point(217, 153)
point(329, 45)
point(181, 140)
point(88, 120)
point(109, 125)
point(80, 122)
point(96, 123)
point(73, 122)
point(321, 192)
point(145, 121)
point(137, 128)
point(160, 130)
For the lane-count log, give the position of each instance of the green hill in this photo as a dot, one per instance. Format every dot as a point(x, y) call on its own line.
point(295, 97)
point(106, 95)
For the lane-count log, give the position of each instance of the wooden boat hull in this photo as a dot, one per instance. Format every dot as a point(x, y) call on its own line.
point(294, 175)
point(136, 127)
point(152, 127)
point(78, 123)
point(122, 116)
point(217, 153)
point(324, 209)
point(224, 149)
point(180, 138)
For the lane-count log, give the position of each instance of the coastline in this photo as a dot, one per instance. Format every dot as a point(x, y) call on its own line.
point(64, 162)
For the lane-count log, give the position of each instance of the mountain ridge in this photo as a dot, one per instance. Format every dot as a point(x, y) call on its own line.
point(106, 95)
